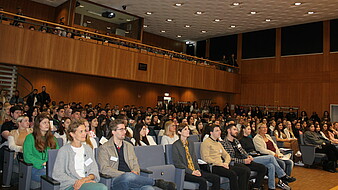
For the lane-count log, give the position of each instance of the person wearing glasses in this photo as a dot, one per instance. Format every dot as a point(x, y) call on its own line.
point(117, 159)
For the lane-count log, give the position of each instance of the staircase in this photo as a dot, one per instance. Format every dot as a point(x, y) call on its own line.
point(8, 79)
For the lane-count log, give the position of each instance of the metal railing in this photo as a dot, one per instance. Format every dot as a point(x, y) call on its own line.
point(85, 35)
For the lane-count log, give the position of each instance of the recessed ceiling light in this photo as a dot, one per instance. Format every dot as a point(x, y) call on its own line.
point(253, 12)
point(127, 32)
point(178, 36)
point(310, 12)
point(187, 26)
point(169, 20)
point(108, 28)
point(233, 26)
point(88, 21)
point(162, 31)
point(128, 20)
point(297, 3)
point(235, 3)
point(81, 6)
point(178, 4)
point(267, 20)
point(199, 12)
point(204, 31)
point(217, 20)
point(145, 26)
point(149, 13)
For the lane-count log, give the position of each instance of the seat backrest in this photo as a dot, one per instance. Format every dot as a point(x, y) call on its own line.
point(194, 138)
point(159, 139)
point(150, 155)
point(301, 138)
point(60, 142)
point(157, 131)
point(52, 153)
point(197, 146)
point(169, 153)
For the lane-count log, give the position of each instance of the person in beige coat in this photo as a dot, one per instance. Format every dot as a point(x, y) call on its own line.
point(265, 145)
point(213, 153)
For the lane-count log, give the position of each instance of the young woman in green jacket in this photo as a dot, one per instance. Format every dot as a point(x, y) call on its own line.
point(36, 146)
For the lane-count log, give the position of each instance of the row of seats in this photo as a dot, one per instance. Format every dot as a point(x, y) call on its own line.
point(160, 166)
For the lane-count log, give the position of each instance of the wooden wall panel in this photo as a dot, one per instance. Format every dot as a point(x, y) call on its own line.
point(71, 87)
point(48, 51)
point(162, 42)
point(300, 81)
point(30, 8)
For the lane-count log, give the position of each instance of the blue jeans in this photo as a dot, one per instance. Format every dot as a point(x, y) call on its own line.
point(37, 173)
point(287, 165)
point(273, 168)
point(132, 181)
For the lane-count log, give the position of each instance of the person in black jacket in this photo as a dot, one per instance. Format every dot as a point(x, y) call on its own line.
point(323, 146)
point(184, 157)
point(33, 98)
point(44, 97)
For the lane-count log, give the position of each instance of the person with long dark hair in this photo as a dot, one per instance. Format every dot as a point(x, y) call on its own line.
point(141, 137)
point(37, 144)
point(184, 157)
point(62, 129)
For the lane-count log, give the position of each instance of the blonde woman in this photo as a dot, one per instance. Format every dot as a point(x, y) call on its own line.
point(17, 137)
point(170, 135)
point(5, 114)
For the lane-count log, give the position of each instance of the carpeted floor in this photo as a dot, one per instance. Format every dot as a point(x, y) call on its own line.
point(309, 178)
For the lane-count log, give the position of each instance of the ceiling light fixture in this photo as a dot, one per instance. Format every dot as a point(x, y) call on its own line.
point(199, 12)
point(178, 36)
point(233, 26)
point(169, 20)
point(310, 12)
point(187, 26)
point(88, 21)
point(178, 4)
point(204, 31)
point(297, 3)
point(108, 28)
point(81, 6)
point(162, 31)
point(235, 3)
point(145, 26)
point(128, 20)
point(267, 20)
point(253, 12)
point(149, 13)
point(217, 20)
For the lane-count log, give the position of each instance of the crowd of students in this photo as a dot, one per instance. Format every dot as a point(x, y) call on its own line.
point(233, 144)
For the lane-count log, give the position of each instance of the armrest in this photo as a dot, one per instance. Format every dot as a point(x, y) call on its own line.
point(105, 176)
point(7, 149)
point(146, 171)
point(50, 180)
point(27, 164)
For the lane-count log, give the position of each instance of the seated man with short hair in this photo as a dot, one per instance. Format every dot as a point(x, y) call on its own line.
point(240, 157)
point(117, 159)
